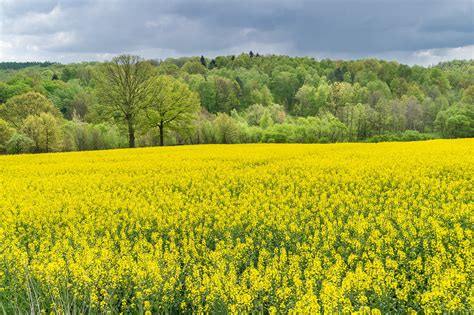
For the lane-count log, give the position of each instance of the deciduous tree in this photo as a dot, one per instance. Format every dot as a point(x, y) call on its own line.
point(44, 130)
point(19, 107)
point(171, 104)
point(122, 89)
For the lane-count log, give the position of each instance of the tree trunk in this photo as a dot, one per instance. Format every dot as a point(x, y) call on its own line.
point(131, 135)
point(161, 126)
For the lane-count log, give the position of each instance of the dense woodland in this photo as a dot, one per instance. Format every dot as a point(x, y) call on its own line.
point(129, 101)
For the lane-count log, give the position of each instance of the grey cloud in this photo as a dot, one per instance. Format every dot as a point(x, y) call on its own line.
point(17, 8)
point(353, 28)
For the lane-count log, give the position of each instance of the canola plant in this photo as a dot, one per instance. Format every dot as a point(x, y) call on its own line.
point(264, 228)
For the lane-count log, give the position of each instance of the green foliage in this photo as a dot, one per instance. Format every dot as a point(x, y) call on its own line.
point(253, 115)
point(83, 136)
point(226, 94)
point(194, 67)
point(45, 131)
point(459, 126)
point(70, 98)
point(377, 91)
point(269, 98)
point(122, 89)
point(468, 95)
point(261, 95)
point(266, 120)
point(278, 134)
point(19, 143)
point(456, 121)
point(21, 65)
point(205, 131)
point(407, 135)
point(284, 86)
point(18, 108)
point(307, 100)
point(170, 104)
point(5, 134)
point(226, 129)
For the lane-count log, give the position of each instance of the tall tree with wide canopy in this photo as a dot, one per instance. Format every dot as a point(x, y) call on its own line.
point(44, 130)
point(122, 89)
point(170, 103)
point(19, 107)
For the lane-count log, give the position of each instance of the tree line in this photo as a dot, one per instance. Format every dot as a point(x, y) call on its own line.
point(130, 101)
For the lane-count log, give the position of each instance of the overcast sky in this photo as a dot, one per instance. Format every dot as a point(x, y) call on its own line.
point(410, 31)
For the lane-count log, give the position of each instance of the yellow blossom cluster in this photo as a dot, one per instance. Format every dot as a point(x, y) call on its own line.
point(264, 228)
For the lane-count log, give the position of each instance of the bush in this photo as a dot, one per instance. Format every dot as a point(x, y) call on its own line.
point(6, 133)
point(226, 129)
point(280, 133)
point(19, 143)
point(407, 135)
point(413, 135)
point(456, 121)
point(84, 136)
point(45, 131)
point(274, 136)
point(250, 134)
point(459, 126)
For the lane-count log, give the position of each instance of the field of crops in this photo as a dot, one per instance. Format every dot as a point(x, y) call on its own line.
point(240, 228)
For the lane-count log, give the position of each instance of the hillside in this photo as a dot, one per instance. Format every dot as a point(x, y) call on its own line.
point(242, 99)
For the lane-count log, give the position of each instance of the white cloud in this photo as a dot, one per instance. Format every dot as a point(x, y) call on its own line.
point(34, 22)
point(436, 55)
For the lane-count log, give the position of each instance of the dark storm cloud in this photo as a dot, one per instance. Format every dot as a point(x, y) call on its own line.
point(76, 29)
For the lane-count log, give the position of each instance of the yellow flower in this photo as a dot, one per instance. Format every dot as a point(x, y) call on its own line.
point(299, 229)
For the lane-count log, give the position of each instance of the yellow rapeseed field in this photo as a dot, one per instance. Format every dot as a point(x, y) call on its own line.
point(258, 228)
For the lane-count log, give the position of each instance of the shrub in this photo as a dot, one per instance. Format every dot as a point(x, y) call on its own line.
point(19, 143)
